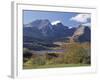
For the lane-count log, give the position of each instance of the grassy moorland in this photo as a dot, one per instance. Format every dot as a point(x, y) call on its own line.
point(74, 55)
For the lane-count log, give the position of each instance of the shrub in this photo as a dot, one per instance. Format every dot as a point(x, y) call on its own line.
point(77, 54)
point(26, 54)
point(39, 60)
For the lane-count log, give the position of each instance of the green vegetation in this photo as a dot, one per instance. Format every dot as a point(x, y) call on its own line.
point(53, 66)
point(75, 54)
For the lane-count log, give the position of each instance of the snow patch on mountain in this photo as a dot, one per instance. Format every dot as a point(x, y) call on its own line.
point(55, 22)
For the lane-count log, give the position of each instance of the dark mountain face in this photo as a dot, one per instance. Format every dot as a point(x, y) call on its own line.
point(86, 37)
point(31, 32)
point(61, 31)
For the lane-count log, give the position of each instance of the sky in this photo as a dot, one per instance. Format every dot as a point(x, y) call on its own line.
point(70, 19)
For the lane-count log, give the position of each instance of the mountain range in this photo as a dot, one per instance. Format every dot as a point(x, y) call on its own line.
point(43, 31)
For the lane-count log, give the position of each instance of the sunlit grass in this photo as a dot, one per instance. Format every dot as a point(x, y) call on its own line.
point(54, 66)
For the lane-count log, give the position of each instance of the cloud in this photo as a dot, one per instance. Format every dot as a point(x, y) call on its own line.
point(83, 18)
point(56, 22)
point(87, 24)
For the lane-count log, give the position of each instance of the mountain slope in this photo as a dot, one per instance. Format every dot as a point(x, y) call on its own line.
point(82, 34)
